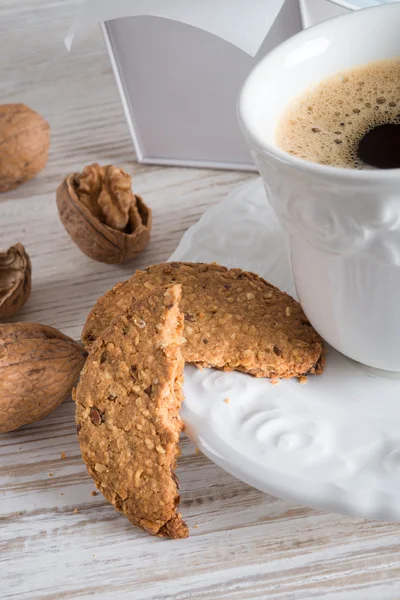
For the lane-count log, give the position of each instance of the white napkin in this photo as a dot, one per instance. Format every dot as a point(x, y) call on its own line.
point(244, 23)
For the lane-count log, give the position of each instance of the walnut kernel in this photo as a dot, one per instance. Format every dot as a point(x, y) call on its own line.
point(106, 220)
point(15, 280)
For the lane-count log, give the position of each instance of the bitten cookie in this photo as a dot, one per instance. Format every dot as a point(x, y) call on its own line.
point(234, 320)
point(127, 410)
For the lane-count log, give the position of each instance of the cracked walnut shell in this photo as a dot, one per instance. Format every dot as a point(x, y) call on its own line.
point(15, 280)
point(106, 220)
point(24, 145)
point(38, 368)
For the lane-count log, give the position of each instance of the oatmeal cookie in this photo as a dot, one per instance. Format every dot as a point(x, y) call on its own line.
point(127, 410)
point(234, 320)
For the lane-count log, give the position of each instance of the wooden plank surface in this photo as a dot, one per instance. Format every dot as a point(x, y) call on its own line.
point(243, 544)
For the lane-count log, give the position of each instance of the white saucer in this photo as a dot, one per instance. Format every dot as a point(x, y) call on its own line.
point(333, 443)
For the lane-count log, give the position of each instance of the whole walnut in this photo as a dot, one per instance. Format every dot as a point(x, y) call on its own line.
point(38, 368)
point(106, 220)
point(15, 280)
point(24, 144)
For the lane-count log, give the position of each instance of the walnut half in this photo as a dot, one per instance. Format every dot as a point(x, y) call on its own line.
point(15, 280)
point(106, 220)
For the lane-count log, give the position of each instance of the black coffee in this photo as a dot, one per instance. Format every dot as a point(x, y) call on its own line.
point(380, 147)
point(349, 120)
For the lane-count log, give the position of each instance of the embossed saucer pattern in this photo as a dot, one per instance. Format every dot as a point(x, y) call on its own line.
point(333, 443)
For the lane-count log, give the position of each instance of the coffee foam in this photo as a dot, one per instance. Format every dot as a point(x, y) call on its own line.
point(325, 124)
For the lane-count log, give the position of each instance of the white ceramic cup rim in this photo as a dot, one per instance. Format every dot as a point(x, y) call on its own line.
point(356, 176)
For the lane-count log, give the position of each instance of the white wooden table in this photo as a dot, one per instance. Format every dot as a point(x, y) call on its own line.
point(57, 541)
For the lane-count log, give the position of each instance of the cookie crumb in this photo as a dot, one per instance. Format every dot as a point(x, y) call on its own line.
point(195, 526)
point(227, 400)
point(61, 494)
point(50, 474)
point(196, 450)
point(76, 510)
point(303, 380)
point(63, 455)
point(274, 381)
point(94, 493)
point(100, 468)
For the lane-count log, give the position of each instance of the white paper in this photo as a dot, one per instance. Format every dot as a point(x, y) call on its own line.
point(355, 4)
point(244, 23)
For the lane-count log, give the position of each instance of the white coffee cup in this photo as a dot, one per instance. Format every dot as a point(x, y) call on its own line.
point(343, 225)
